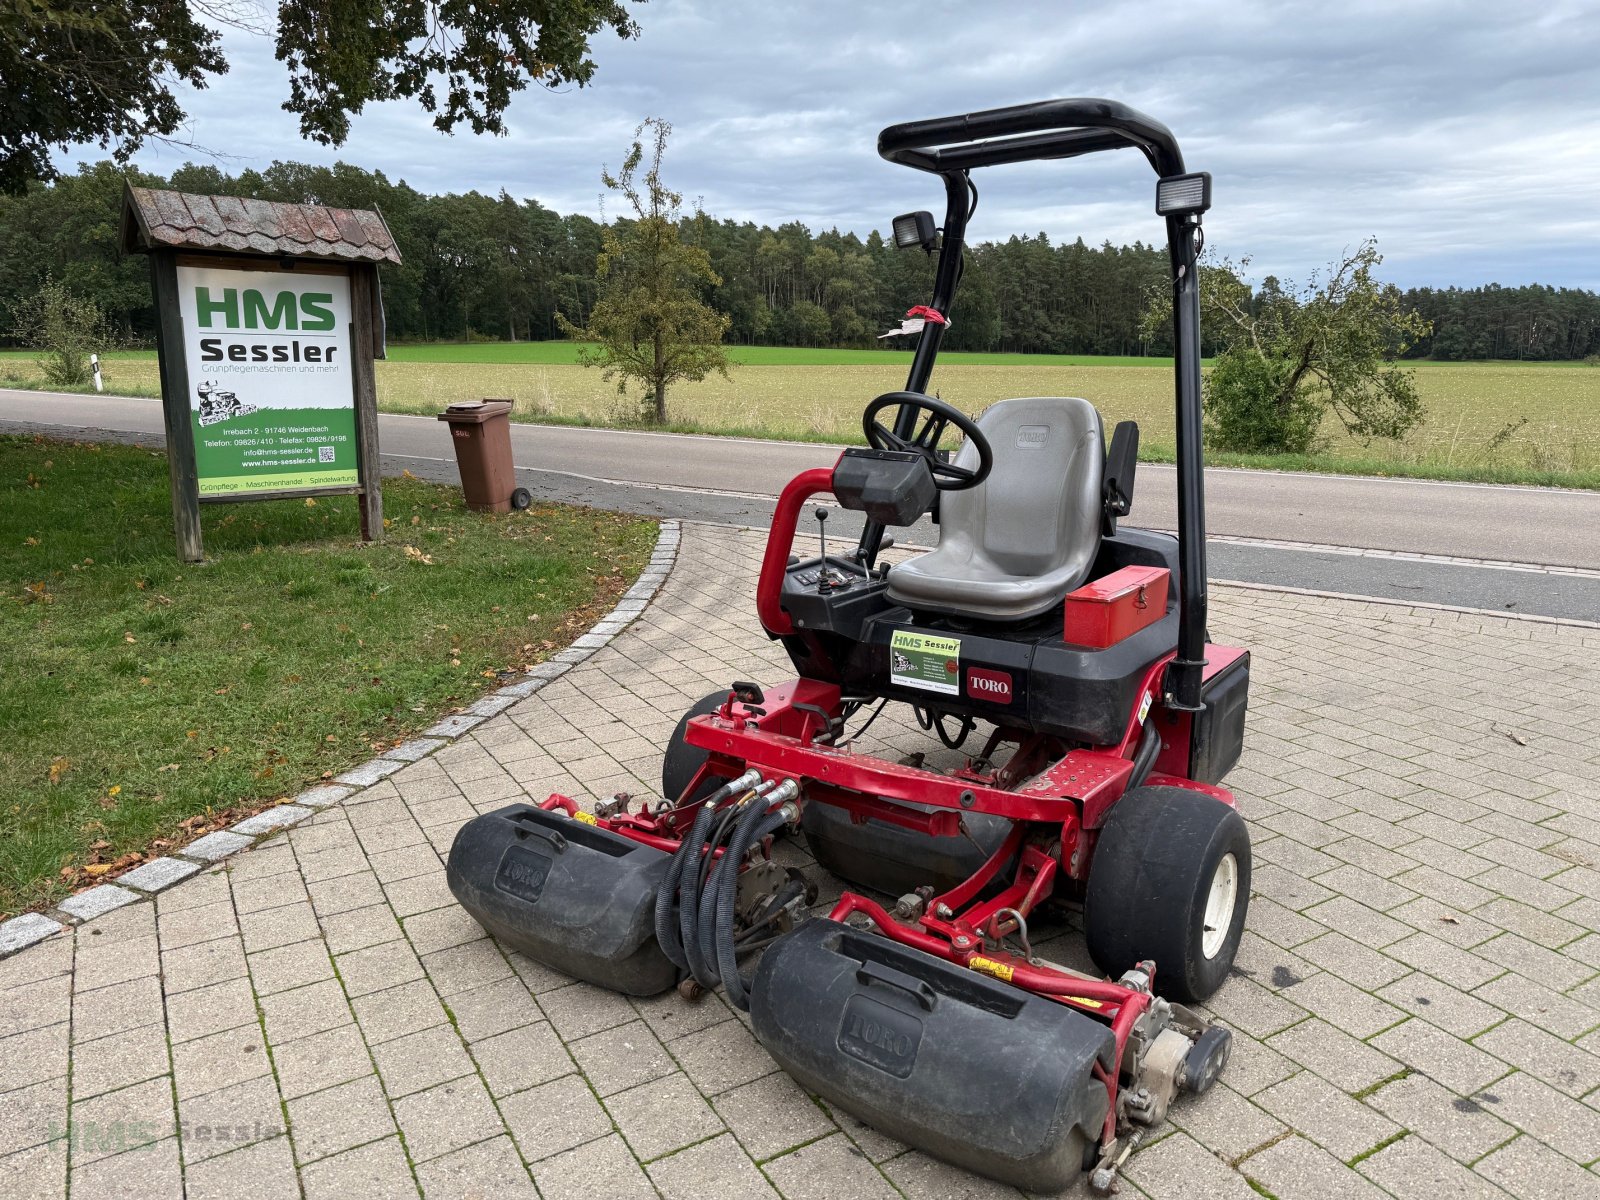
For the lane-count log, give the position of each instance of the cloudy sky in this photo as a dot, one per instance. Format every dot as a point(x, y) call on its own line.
point(1465, 135)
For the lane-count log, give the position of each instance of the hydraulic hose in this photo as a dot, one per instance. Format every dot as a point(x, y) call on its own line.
point(1144, 756)
point(704, 887)
point(733, 984)
point(727, 867)
point(693, 920)
point(667, 923)
point(669, 938)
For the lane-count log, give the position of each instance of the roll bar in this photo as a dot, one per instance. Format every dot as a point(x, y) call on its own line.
point(1061, 129)
point(951, 147)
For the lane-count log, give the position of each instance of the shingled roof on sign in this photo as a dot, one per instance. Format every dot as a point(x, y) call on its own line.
point(162, 220)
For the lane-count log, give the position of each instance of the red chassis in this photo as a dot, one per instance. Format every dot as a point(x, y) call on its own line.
point(1057, 797)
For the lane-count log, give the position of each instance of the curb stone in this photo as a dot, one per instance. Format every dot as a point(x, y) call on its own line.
point(318, 797)
point(214, 847)
point(270, 819)
point(416, 748)
point(159, 874)
point(21, 932)
point(97, 901)
point(451, 727)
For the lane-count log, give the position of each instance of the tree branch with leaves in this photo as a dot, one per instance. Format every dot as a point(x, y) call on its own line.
point(80, 71)
point(1290, 358)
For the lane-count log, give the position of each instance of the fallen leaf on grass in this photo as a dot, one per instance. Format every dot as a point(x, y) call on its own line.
point(59, 766)
point(95, 870)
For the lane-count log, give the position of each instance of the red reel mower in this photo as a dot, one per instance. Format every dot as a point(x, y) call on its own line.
point(1112, 720)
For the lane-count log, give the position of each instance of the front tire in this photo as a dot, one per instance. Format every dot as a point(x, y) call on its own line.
point(1170, 881)
point(683, 761)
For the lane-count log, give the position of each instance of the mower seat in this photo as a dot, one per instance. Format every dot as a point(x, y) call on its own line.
point(1013, 546)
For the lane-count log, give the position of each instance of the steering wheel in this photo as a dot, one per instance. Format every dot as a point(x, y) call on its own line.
point(936, 417)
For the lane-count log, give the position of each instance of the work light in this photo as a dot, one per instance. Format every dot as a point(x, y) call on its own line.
point(1179, 195)
point(914, 229)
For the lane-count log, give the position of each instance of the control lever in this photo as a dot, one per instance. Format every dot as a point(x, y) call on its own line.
point(861, 551)
point(823, 582)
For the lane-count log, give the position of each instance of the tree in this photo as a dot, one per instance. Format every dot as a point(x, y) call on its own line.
point(1289, 358)
point(649, 324)
point(85, 71)
point(66, 328)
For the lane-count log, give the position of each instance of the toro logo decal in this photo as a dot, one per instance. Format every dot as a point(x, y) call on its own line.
point(882, 1036)
point(994, 686)
point(522, 873)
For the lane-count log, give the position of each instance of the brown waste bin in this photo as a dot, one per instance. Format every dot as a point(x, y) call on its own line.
point(480, 430)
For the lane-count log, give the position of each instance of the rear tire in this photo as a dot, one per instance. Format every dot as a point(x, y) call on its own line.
point(1170, 881)
point(682, 760)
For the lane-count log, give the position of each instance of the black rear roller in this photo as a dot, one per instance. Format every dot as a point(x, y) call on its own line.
point(567, 894)
point(895, 860)
point(971, 1070)
point(1170, 881)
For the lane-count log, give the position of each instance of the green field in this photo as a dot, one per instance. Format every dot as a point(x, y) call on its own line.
point(1499, 422)
point(566, 353)
point(146, 701)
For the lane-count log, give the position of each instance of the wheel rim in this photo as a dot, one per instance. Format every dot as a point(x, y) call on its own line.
point(1220, 902)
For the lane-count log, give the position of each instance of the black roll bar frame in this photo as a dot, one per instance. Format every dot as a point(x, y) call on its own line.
point(951, 147)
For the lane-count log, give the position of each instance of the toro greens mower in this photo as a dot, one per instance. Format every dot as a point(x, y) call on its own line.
point(1079, 644)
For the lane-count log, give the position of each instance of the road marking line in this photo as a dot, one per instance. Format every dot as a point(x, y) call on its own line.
point(622, 483)
point(1397, 602)
point(1447, 560)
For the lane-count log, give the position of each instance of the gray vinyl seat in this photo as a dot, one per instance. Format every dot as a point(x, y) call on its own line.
point(1013, 546)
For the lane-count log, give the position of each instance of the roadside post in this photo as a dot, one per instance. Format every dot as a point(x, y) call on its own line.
point(269, 319)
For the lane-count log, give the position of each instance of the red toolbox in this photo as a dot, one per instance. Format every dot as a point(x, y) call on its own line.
point(1102, 613)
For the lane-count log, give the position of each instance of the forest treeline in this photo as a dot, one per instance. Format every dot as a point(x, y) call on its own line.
point(502, 268)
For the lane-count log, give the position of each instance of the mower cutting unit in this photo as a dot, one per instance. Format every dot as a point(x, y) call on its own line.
point(1111, 721)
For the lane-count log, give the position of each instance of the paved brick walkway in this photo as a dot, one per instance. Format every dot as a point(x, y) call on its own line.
point(1417, 1005)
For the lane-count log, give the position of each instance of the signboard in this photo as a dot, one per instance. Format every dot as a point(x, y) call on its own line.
point(921, 660)
point(271, 379)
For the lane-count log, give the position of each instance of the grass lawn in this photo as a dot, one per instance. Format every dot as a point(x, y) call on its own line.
point(144, 701)
point(1498, 422)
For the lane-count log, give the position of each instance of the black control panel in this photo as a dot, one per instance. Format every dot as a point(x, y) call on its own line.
point(836, 601)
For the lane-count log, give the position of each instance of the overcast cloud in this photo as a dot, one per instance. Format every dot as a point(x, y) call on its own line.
point(1466, 136)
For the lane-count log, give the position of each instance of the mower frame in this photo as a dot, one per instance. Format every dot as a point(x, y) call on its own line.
point(1057, 793)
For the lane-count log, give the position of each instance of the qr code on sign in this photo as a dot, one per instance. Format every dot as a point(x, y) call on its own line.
point(324, 453)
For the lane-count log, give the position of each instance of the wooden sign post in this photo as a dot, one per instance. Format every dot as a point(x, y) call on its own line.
point(269, 319)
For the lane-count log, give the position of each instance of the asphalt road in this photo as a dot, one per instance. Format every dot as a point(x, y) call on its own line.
point(1515, 549)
